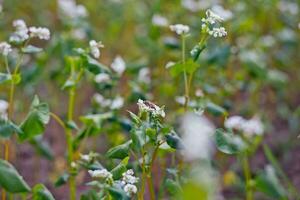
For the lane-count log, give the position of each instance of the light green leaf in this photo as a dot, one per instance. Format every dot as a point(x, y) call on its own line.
point(36, 119)
point(228, 143)
point(40, 192)
point(120, 169)
point(120, 151)
point(11, 180)
point(118, 193)
point(95, 119)
point(7, 128)
point(5, 77)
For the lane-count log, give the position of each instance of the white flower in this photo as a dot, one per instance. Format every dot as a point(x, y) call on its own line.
point(212, 18)
point(95, 48)
point(147, 106)
point(234, 122)
point(199, 93)
point(144, 75)
point(5, 48)
point(218, 32)
point(103, 173)
point(99, 99)
point(170, 64)
point(40, 32)
point(102, 78)
point(86, 157)
point(197, 137)
point(70, 9)
point(130, 189)
point(79, 33)
point(3, 108)
point(19, 24)
point(196, 5)
point(21, 33)
point(253, 127)
point(118, 65)
point(81, 11)
point(128, 177)
point(224, 14)
point(117, 103)
point(180, 29)
point(158, 20)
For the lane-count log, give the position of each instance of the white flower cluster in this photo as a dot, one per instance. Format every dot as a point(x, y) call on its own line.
point(147, 106)
point(208, 23)
point(250, 127)
point(113, 104)
point(5, 48)
point(70, 9)
point(180, 29)
point(118, 65)
point(103, 174)
point(128, 181)
point(95, 48)
point(3, 109)
point(23, 33)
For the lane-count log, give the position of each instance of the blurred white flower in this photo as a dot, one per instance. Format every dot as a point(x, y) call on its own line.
point(79, 33)
point(223, 13)
point(118, 65)
point(170, 64)
point(199, 93)
point(180, 29)
point(130, 189)
point(212, 18)
point(5, 48)
point(218, 32)
point(103, 173)
point(253, 126)
point(288, 7)
point(95, 48)
point(147, 106)
point(3, 109)
point(196, 5)
point(70, 9)
point(197, 132)
point(73, 164)
point(99, 99)
point(234, 122)
point(40, 32)
point(102, 78)
point(181, 101)
point(19, 25)
point(158, 20)
point(144, 75)
point(86, 157)
point(117, 103)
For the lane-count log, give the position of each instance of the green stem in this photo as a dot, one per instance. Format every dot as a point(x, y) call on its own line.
point(69, 138)
point(142, 191)
point(186, 88)
point(247, 174)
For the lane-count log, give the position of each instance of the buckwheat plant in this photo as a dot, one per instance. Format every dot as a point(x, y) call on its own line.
point(13, 53)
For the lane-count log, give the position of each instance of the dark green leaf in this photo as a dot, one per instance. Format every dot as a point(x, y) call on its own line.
point(228, 143)
point(118, 193)
point(40, 192)
point(120, 151)
point(42, 147)
point(174, 141)
point(11, 180)
point(7, 128)
point(63, 179)
point(120, 169)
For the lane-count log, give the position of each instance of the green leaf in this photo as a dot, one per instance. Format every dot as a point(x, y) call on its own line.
point(42, 148)
point(228, 143)
point(95, 119)
point(215, 109)
point(36, 119)
point(268, 183)
point(90, 195)
point(63, 179)
point(120, 169)
point(70, 83)
point(139, 138)
point(174, 141)
point(94, 66)
point(196, 51)
point(11, 180)
point(40, 192)
point(7, 128)
point(5, 77)
point(135, 118)
point(118, 193)
point(173, 187)
point(120, 151)
point(31, 49)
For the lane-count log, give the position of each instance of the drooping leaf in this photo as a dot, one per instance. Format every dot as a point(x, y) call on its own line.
point(35, 121)
point(42, 147)
point(40, 192)
point(11, 180)
point(63, 179)
point(7, 128)
point(120, 151)
point(228, 143)
point(120, 169)
point(174, 141)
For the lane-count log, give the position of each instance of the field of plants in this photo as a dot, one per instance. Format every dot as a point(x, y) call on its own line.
point(149, 100)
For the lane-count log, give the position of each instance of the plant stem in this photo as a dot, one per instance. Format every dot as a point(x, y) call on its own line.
point(69, 138)
point(247, 174)
point(186, 88)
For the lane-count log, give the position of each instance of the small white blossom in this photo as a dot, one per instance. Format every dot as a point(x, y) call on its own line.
point(234, 122)
point(147, 106)
point(199, 93)
point(86, 158)
point(223, 13)
point(70, 9)
point(118, 65)
point(102, 78)
point(95, 48)
point(103, 173)
point(218, 32)
point(19, 25)
point(99, 99)
point(130, 189)
point(117, 103)
point(158, 20)
point(3, 108)
point(180, 29)
point(5, 48)
point(212, 18)
point(144, 75)
point(40, 32)
point(170, 64)
point(253, 127)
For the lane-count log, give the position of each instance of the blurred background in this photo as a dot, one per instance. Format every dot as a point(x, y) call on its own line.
point(253, 71)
